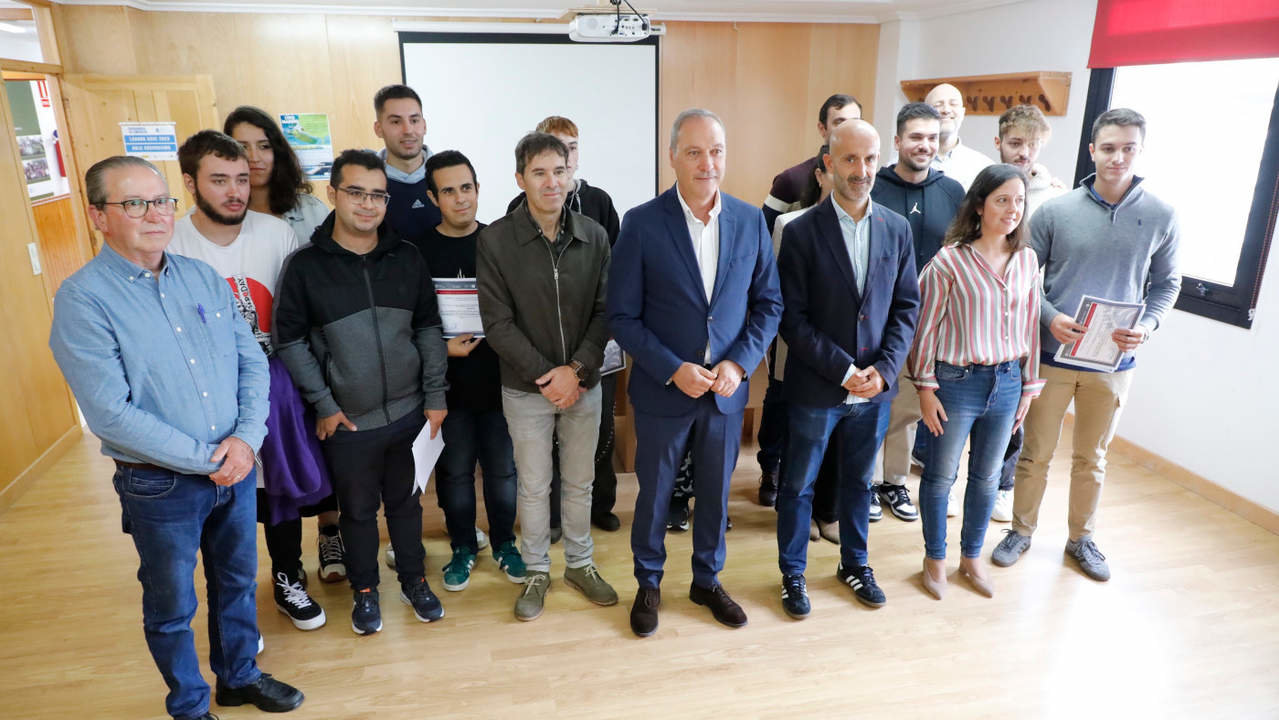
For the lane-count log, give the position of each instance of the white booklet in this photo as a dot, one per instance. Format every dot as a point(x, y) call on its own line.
point(614, 358)
point(1096, 350)
point(459, 304)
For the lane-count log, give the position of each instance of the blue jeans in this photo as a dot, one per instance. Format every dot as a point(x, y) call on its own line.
point(170, 516)
point(470, 436)
point(857, 431)
point(981, 406)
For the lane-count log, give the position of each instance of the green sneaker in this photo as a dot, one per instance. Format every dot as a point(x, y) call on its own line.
point(587, 581)
point(529, 605)
point(457, 574)
point(509, 560)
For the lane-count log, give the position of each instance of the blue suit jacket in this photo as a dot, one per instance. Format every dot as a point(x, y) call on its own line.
point(657, 306)
point(827, 323)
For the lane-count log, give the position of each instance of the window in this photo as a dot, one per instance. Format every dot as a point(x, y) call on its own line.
point(1212, 152)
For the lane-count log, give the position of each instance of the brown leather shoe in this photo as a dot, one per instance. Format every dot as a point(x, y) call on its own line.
point(722, 606)
point(644, 611)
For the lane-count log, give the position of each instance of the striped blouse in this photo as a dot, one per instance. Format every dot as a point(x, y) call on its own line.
point(970, 316)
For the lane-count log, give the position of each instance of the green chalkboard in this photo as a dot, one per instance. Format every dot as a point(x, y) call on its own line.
point(23, 106)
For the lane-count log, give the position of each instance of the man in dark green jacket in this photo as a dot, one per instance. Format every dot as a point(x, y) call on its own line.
point(541, 272)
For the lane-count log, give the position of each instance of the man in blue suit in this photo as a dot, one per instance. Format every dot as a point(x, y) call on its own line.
point(693, 297)
point(848, 278)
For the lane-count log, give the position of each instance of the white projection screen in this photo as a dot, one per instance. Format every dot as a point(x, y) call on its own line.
point(482, 91)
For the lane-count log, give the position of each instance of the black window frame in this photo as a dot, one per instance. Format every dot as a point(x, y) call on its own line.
point(1233, 304)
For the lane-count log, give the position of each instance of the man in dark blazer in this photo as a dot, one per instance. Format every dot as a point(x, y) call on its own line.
point(693, 297)
point(848, 279)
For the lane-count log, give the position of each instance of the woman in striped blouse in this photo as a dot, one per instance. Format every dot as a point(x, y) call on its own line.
point(975, 362)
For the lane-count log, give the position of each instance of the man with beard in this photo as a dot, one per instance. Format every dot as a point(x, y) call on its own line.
point(249, 249)
point(851, 296)
point(400, 124)
point(928, 199)
point(953, 157)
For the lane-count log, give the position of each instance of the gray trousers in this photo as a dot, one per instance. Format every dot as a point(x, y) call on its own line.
point(533, 421)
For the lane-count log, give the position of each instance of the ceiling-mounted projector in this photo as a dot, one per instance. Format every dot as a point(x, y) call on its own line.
point(607, 26)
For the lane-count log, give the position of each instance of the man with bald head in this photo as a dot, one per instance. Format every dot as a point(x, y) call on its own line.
point(851, 295)
point(692, 296)
point(957, 160)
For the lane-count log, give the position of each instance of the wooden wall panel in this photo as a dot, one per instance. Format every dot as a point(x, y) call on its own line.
point(28, 373)
point(61, 250)
point(765, 79)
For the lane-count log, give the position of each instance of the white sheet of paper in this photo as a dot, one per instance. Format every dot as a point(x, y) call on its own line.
point(425, 453)
point(459, 304)
point(1096, 350)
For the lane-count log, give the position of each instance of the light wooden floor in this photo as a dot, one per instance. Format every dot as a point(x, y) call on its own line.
point(1188, 627)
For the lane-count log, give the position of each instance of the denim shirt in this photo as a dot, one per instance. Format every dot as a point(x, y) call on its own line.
point(162, 364)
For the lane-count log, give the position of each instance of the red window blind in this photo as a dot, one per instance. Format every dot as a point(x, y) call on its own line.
point(1149, 32)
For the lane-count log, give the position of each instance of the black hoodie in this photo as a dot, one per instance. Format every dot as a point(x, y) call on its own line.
point(361, 333)
point(928, 207)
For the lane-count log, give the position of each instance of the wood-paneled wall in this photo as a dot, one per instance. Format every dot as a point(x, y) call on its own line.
point(766, 80)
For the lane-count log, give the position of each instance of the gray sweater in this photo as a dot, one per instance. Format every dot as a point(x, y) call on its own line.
point(1126, 252)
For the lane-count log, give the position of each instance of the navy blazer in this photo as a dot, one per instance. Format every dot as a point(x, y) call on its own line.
point(827, 324)
point(657, 308)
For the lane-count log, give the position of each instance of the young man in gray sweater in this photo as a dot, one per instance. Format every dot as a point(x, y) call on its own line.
point(1111, 239)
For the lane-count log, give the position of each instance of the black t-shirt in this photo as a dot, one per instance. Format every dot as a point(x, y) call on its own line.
point(475, 381)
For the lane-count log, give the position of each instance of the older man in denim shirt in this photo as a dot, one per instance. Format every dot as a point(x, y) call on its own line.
point(170, 378)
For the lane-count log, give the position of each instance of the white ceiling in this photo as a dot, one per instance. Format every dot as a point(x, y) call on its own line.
point(712, 10)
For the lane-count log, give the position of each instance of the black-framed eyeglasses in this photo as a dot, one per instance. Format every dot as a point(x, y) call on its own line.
point(138, 207)
point(379, 198)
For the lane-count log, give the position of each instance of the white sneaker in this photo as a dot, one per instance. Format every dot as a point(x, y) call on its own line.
point(481, 540)
point(390, 557)
point(955, 502)
point(1003, 511)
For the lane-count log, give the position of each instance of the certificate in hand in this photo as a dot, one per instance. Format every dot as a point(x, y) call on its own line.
point(459, 304)
point(1097, 350)
point(614, 358)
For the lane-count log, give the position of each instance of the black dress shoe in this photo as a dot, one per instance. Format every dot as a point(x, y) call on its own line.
point(768, 489)
point(606, 521)
point(207, 716)
point(722, 606)
point(644, 611)
point(266, 694)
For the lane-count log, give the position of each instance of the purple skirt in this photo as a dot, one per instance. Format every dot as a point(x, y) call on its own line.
point(293, 471)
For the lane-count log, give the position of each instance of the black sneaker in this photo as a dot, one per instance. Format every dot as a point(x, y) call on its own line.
point(292, 599)
point(862, 580)
point(876, 512)
point(366, 616)
point(677, 519)
point(417, 594)
point(795, 596)
point(897, 498)
point(332, 555)
point(768, 489)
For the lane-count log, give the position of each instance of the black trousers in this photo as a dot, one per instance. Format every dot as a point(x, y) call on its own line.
point(372, 469)
point(284, 539)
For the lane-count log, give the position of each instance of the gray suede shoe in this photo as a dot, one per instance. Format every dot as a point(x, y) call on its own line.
point(587, 581)
point(1010, 548)
point(529, 605)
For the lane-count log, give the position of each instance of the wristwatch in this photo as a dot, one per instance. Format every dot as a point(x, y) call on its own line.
point(578, 369)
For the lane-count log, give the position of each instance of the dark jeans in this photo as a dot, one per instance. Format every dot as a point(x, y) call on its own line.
point(469, 436)
point(170, 516)
point(372, 468)
point(981, 407)
point(604, 489)
point(855, 432)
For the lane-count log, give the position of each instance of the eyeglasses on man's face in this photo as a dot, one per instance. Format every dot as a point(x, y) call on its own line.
point(137, 207)
point(380, 199)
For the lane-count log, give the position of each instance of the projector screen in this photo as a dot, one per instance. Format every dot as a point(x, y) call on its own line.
point(482, 91)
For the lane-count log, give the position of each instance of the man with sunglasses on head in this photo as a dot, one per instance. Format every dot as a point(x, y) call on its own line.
point(357, 325)
point(171, 379)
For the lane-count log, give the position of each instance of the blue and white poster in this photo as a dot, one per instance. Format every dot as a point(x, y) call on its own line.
point(150, 141)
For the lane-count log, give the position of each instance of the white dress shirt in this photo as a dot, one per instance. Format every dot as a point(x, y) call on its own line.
point(705, 239)
point(856, 235)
